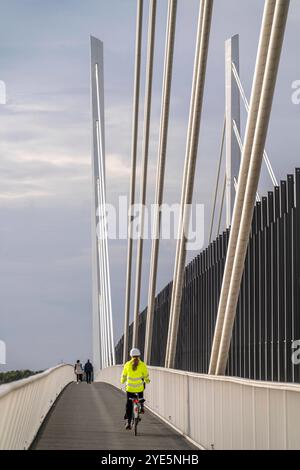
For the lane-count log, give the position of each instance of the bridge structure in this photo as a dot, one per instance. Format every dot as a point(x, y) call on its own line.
point(222, 339)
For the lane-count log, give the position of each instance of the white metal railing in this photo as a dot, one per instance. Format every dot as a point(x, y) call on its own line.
point(222, 412)
point(24, 405)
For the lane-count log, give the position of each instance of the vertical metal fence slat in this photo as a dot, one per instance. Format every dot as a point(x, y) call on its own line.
point(297, 267)
point(202, 312)
point(263, 289)
point(276, 365)
point(289, 277)
point(257, 341)
point(281, 283)
point(269, 283)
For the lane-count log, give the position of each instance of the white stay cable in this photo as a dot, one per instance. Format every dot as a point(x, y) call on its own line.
point(258, 79)
point(144, 167)
point(278, 26)
point(217, 182)
point(244, 98)
point(222, 205)
point(106, 272)
point(199, 75)
point(160, 175)
point(103, 292)
point(103, 222)
point(239, 141)
point(134, 142)
point(103, 279)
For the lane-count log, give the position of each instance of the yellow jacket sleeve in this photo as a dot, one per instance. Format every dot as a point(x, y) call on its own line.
point(146, 374)
point(124, 374)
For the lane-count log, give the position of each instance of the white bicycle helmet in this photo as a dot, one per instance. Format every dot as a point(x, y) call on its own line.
point(135, 352)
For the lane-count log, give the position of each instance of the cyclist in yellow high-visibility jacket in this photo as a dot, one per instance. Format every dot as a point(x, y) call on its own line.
point(135, 374)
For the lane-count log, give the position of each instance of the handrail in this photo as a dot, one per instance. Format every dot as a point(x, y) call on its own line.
point(10, 387)
point(222, 412)
point(287, 386)
point(24, 404)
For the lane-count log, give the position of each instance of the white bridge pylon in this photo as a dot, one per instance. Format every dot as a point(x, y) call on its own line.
point(103, 338)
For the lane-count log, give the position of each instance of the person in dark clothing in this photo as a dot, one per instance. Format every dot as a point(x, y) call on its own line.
point(88, 369)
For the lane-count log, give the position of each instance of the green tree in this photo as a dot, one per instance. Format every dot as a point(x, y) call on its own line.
point(13, 375)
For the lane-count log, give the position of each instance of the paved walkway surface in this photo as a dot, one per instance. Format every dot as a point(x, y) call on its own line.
point(90, 417)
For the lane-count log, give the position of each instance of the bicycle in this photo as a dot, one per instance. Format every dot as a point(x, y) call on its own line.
point(136, 411)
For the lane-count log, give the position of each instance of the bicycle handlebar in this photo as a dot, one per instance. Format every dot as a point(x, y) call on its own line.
point(140, 400)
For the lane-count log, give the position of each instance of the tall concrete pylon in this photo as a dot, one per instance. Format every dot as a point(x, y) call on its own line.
point(103, 342)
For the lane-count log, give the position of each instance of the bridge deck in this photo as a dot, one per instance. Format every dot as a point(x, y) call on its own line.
point(90, 417)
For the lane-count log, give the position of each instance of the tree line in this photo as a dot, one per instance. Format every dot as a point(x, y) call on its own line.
point(13, 375)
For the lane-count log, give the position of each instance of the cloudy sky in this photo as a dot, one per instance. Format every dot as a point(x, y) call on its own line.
point(45, 164)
